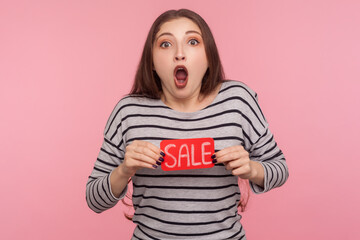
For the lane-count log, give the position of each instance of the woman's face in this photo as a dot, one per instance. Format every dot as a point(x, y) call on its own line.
point(179, 59)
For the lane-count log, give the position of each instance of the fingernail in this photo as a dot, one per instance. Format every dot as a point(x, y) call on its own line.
point(162, 153)
point(213, 156)
point(214, 161)
point(158, 163)
point(154, 166)
point(161, 159)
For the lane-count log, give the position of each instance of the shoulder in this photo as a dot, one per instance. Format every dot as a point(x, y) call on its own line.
point(237, 88)
point(135, 101)
point(136, 104)
point(241, 96)
point(130, 105)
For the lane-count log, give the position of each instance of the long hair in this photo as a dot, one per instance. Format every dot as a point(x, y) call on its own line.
point(147, 82)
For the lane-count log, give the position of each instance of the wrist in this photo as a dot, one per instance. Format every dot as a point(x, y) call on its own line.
point(123, 173)
point(119, 175)
point(118, 181)
point(254, 171)
point(257, 173)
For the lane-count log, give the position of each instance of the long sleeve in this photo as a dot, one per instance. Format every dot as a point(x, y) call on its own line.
point(266, 151)
point(260, 143)
point(98, 190)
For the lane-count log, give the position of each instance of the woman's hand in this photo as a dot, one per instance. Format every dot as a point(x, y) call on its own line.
point(141, 154)
point(138, 154)
point(237, 160)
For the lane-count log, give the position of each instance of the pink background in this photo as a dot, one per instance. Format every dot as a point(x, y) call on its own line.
point(65, 64)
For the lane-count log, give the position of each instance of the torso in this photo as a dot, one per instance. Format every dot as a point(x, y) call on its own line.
point(188, 204)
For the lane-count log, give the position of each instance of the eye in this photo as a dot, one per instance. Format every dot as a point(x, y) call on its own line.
point(165, 44)
point(193, 42)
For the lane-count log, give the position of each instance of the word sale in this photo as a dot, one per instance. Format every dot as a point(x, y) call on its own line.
point(181, 154)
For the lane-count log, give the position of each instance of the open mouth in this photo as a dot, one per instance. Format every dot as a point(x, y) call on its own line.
point(180, 76)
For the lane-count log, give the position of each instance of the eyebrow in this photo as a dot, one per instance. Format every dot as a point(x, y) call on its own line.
point(170, 34)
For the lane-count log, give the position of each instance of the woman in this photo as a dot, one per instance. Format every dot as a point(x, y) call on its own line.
point(179, 93)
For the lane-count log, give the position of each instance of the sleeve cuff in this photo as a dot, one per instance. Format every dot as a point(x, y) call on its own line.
point(258, 189)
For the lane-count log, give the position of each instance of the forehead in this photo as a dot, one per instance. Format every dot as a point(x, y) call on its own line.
point(178, 25)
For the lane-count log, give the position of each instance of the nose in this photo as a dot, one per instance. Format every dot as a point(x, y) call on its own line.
point(178, 58)
point(179, 55)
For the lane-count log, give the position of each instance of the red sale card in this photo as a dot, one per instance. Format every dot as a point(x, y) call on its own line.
point(181, 154)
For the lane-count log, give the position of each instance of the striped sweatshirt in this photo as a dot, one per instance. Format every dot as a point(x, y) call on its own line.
point(187, 204)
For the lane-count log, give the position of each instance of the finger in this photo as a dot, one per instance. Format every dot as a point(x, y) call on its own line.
point(243, 171)
point(228, 150)
point(238, 163)
point(136, 164)
point(139, 157)
point(231, 156)
point(147, 145)
point(233, 164)
point(145, 148)
point(140, 164)
point(147, 152)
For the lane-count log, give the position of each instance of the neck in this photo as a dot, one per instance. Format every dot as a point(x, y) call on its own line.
point(191, 104)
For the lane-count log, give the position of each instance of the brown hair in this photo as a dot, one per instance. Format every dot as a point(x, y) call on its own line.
point(147, 82)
